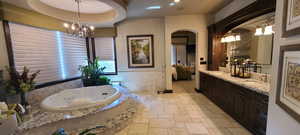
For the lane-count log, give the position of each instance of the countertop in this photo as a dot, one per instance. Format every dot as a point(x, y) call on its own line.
point(252, 84)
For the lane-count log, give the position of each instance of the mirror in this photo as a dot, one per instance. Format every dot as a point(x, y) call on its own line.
point(252, 40)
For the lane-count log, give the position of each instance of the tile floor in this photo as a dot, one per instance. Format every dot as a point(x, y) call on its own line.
point(184, 112)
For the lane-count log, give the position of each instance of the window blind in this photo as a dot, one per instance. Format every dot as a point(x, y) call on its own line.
point(56, 54)
point(36, 49)
point(104, 47)
point(74, 53)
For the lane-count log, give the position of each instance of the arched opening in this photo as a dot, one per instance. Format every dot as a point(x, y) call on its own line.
point(183, 57)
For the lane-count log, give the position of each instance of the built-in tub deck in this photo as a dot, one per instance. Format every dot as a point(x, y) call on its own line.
point(110, 115)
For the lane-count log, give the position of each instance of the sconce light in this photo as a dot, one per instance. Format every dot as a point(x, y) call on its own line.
point(237, 38)
point(230, 38)
point(268, 30)
point(223, 40)
point(258, 32)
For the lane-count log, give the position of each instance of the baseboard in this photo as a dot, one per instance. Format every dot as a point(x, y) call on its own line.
point(164, 91)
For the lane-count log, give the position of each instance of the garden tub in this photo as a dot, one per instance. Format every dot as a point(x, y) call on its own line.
point(81, 98)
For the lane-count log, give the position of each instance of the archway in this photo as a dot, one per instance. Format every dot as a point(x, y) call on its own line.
point(182, 38)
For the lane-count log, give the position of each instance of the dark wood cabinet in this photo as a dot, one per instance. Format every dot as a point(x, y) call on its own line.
point(247, 107)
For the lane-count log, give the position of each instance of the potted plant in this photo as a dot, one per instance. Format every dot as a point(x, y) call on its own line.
point(20, 83)
point(92, 74)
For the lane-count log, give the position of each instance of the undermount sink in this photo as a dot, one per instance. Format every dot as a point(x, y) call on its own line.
point(248, 80)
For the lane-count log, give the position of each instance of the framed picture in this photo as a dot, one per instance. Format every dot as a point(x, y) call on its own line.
point(291, 18)
point(288, 89)
point(140, 51)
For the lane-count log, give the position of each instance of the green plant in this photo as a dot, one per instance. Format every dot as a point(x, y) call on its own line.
point(104, 80)
point(92, 70)
point(92, 74)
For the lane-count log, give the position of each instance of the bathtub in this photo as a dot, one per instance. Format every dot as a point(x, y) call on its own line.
point(81, 98)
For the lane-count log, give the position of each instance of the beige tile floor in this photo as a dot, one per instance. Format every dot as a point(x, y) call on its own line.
point(184, 112)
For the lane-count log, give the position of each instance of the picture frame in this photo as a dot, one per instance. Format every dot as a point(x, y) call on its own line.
point(291, 18)
point(288, 81)
point(140, 51)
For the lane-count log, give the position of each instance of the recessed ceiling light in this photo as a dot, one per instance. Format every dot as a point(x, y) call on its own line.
point(153, 7)
point(176, 1)
point(172, 4)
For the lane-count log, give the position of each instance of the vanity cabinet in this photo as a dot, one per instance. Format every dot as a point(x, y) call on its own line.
point(247, 107)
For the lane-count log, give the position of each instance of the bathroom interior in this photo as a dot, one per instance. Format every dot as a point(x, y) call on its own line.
point(149, 67)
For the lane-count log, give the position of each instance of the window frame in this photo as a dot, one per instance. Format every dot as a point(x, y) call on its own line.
point(115, 54)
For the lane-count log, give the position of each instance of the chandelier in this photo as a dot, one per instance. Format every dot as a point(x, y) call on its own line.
point(76, 28)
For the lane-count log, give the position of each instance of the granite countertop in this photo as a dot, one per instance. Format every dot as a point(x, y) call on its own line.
point(252, 84)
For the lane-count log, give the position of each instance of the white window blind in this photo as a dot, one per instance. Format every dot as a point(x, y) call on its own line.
point(105, 50)
point(56, 54)
point(75, 54)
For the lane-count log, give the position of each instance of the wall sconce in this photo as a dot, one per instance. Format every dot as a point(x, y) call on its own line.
point(258, 32)
point(268, 30)
point(237, 38)
point(223, 40)
point(230, 38)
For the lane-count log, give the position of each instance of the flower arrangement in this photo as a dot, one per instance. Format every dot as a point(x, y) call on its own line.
point(6, 111)
point(20, 83)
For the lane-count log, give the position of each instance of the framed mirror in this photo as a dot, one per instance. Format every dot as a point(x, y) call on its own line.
point(252, 40)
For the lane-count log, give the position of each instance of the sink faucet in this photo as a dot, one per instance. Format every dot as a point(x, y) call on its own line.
point(264, 78)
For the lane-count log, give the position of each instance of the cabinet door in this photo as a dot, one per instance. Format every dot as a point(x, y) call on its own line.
point(203, 83)
point(259, 117)
point(212, 89)
point(228, 98)
point(241, 105)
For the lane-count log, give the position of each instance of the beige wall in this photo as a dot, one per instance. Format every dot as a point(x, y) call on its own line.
point(279, 122)
point(137, 79)
point(194, 23)
point(3, 50)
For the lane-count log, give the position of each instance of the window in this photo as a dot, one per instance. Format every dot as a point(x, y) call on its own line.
point(56, 54)
point(105, 51)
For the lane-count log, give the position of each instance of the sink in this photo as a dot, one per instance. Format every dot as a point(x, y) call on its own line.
point(251, 81)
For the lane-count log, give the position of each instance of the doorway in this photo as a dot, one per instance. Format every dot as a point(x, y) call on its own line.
point(183, 56)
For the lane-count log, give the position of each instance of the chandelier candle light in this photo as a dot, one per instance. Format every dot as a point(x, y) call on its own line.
point(77, 28)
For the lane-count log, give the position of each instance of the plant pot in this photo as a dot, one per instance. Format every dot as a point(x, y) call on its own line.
point(94, 82)
point(88, 82)
point(13, 99)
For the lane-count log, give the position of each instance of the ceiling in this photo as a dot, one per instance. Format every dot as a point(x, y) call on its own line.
point(99, 13)
point(136, 8)
point(86, 6)
point(106, 8)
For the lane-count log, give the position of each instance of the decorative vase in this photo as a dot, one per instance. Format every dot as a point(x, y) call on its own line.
point(13, 99)
point(24, 99)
